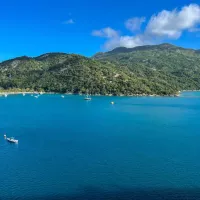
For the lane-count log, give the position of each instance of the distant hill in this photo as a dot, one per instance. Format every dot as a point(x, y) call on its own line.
point(197, 51)
point(154, 69)
point(143, 48)
point(70, 73)
point(175, 66)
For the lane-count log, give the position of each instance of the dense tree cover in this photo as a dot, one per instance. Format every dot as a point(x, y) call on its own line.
point(161, 70)
point(176, 67)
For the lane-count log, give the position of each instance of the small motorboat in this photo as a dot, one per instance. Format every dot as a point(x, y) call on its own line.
point(12, 140)
point(87, 98)
point(24, 94)
point(63, 96)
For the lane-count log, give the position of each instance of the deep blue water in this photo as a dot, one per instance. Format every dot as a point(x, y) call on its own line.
point(139, 148)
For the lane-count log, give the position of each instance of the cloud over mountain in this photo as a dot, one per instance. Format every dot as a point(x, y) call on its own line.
point(134, 24)
point(106, 33)
point(164, 25)
point(171, 24)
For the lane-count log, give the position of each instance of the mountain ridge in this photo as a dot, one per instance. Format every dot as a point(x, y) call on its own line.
point(180, 65)
point(145, 47)
point(148, 70)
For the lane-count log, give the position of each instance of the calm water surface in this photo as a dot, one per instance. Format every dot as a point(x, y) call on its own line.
point(73, 149)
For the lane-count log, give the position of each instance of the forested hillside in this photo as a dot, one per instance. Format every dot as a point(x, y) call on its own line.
point(148, 70)
point(163, 64)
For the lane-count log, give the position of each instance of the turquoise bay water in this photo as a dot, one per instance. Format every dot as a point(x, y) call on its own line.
point(191, 94)
point(73, 149)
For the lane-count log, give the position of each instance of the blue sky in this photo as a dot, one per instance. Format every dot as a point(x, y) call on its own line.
point(34, 27)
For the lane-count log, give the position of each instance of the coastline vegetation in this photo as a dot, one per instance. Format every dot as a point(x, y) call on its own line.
point(162, 70)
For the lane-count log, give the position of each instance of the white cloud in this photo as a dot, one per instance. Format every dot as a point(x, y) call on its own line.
point(164, 25)
point(134, 24)
point(171, 24)
point(126, 41)
point(105, 32)
point(114, 39)
point(70, 21)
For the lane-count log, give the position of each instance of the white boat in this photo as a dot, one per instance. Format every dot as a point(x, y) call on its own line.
point(12, 140)
point(24, 94)
point(87, 98)
point(36, 96)
point(62, 96)
point(5, 95)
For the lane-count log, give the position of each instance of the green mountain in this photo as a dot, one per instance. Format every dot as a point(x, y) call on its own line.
point(169, 66)
point(59, 72)
point(160, 69)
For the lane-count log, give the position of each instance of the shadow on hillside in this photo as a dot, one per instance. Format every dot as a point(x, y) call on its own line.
point(129, 194)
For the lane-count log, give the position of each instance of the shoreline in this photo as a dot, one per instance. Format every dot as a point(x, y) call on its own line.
point(178, 94)
point(16, 93)
point(190, 91)
point(3, 93)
